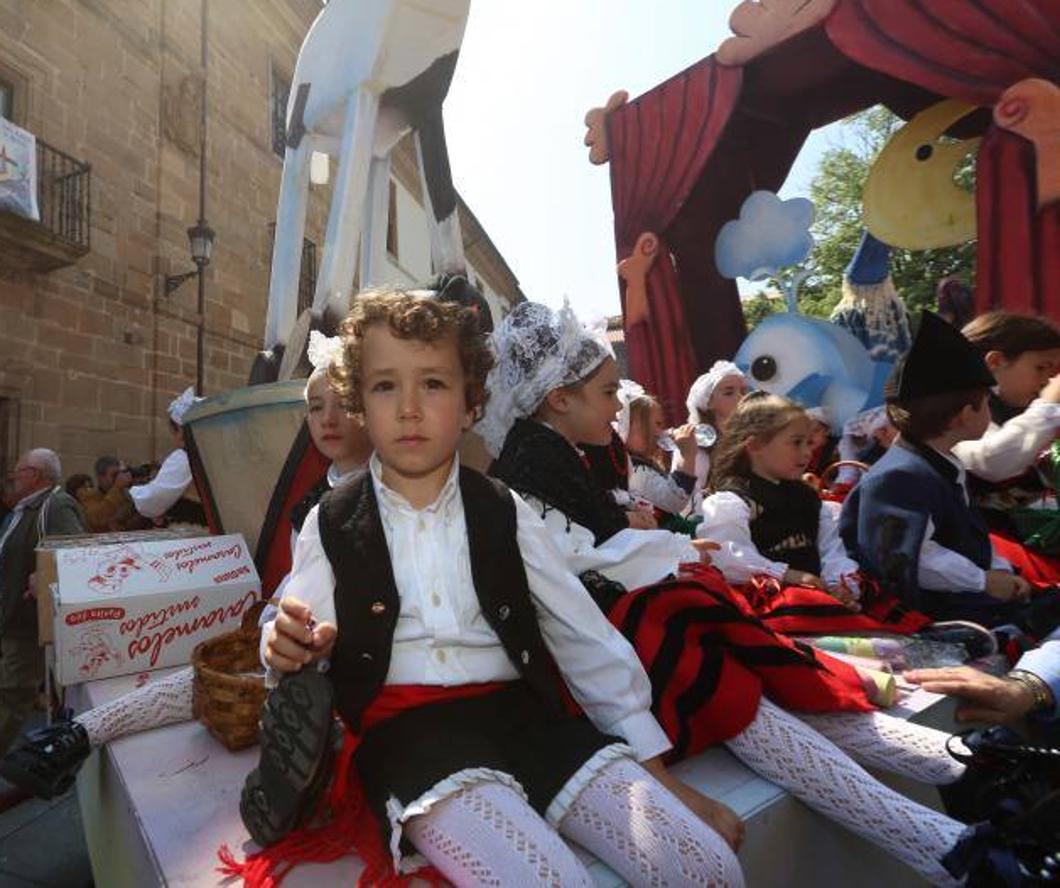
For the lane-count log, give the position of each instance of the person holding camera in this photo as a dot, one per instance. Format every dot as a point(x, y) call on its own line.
point(108, 506)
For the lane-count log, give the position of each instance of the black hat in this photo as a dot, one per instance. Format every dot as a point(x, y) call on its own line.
point(940, 360)
point(456, 288)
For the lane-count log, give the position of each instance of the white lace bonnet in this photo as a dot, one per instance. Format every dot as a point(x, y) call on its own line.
point(181, 404)
point(322, 351)
point(536, 350)
point(701, 390)
point(628, 392)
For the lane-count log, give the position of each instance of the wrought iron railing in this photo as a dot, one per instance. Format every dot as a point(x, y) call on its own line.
point(64, 195)
point(307, 274)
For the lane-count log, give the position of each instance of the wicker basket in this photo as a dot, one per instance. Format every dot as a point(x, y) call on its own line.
point(226, 699)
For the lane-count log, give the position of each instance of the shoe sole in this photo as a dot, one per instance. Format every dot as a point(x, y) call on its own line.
point(31, 783)
point(297, 751)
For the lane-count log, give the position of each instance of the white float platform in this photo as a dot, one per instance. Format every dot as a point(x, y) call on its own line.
point(157, 805)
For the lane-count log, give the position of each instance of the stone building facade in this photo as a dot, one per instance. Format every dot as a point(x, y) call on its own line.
point(92, 351)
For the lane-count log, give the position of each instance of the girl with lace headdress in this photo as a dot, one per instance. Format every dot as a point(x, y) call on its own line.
point(48, 759)
point(716, 670)
point(651, 477)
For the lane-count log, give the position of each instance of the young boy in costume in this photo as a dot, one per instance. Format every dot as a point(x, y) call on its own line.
point(446, 616)
point(909, 521)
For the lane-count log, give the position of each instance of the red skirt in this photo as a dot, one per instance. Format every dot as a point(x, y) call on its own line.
point(710, 659)
point(799, 610)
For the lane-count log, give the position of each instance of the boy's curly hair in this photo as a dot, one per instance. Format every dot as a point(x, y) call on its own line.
point(415, 317)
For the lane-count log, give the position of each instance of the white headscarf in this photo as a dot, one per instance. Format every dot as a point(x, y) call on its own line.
point(703, 388)
point(536, 350)
point(322, 351)
point(182, 404)
point(628, 392)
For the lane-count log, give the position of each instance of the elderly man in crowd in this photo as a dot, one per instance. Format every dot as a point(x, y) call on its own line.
point(42, 508)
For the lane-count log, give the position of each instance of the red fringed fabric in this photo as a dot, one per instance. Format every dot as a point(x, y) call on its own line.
point(799, 610)
point(352, 828)
point(710, 660)
point(1040, 570)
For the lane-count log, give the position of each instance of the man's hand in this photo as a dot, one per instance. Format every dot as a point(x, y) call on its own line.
point(986, 698)
point(719, 817)
point(1006, 586)
point(704, 548)
point(794, 577)
point(295, 641)
point(31, 587)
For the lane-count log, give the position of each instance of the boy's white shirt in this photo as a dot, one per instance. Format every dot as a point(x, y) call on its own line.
point(943, 570)
point(442, 637)
point(1007, 451)
point(161, 493)
point(727, 521)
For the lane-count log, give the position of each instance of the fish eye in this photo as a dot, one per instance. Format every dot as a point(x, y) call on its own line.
point(924, 152)
point(764, 368)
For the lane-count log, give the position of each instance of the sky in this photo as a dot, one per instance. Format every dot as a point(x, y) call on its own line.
point(527, 74)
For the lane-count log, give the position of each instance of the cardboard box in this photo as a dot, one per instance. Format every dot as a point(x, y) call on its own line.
point(133, 606)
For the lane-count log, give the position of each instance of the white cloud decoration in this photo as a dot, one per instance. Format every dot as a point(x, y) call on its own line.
point(770, 234)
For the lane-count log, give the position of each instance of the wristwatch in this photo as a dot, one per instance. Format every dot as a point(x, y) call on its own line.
point(1043, 696)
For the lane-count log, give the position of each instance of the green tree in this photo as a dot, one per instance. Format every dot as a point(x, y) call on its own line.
point(759, 307)
point(836, 190)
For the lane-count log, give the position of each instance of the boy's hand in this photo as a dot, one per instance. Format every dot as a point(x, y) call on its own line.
point(846, 595)
point(1006, 586)
point(719, 817)
point(794, 577)
point(295, 641)
point(640, 519)
point(704, 548)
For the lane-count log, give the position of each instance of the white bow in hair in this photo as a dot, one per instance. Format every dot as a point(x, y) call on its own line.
point(323, 351)
point(181, 404)
point(628, 392)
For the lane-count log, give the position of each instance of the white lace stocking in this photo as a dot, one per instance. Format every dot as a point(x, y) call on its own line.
point(641, 830)
point(156, 704)
point(890, 743)
point(791, 754)
point(487, 834)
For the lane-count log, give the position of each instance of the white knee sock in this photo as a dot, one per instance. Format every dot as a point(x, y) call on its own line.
point(893, 744)
point(791, 754)
point(645, 834)
point(156, 704)
point(487, 834)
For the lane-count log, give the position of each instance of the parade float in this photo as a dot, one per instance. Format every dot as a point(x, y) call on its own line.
point(684, 158)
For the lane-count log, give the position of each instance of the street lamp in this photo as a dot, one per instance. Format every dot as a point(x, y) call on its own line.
point(200, 237)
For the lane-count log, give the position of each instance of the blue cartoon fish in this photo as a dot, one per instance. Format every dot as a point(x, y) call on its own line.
point(815, 363)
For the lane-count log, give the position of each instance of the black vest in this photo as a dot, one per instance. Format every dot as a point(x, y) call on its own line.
point(785, 520)
point(367, 601)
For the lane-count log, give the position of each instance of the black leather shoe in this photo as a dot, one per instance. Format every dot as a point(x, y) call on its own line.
point(47, 760)
point(297, 751)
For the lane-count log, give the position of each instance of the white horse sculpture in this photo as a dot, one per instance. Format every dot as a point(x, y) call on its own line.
point(368, 72)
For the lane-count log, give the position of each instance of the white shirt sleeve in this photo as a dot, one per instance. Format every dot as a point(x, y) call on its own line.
point(943, 570)
point(726, 521)
point(658, 488)
point(835, 562)
point(631, 557)
point(311, 579)
point(1007, 451)
point(158, 496)
point(599, 665)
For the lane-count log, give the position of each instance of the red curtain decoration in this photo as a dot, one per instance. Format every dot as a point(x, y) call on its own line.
point(974, 50)
point(659, 145)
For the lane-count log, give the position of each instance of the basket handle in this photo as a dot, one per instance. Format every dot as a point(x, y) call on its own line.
point(253, 614)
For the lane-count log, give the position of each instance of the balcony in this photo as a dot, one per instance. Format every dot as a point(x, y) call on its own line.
point(61, 237)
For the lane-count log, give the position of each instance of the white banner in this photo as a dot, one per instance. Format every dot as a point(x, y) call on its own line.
point(18, 171)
